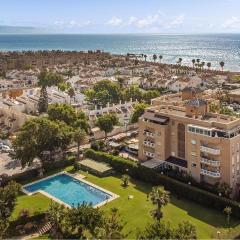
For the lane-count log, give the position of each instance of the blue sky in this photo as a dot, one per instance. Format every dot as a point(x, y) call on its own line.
point(123, 16)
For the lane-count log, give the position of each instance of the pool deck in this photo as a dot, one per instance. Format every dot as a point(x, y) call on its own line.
point(79, 177)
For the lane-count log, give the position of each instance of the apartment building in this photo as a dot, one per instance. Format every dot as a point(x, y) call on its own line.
point(180, 132)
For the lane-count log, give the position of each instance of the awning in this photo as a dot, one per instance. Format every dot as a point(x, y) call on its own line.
point(152, 163)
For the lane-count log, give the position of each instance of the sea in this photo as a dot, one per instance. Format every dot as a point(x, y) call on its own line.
point(212, 48)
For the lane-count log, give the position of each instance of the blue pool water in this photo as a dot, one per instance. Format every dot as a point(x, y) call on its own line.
point(69, 190)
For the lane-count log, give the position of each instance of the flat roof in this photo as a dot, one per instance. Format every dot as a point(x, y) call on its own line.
point(98, 166)
point(152, 163)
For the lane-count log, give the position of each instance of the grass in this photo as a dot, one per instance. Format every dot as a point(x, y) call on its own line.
point(136, 212)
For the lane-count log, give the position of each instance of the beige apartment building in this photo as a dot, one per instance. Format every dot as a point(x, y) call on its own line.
point(180, 131)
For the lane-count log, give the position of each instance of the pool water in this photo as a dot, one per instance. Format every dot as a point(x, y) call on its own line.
point(69, 190)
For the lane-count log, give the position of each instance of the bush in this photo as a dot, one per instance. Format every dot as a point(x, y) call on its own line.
point(190, 192)
point(48, 166)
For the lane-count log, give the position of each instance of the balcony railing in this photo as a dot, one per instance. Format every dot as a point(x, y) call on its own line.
point(148, 134)
point(210, 162)
point(210, 173)
point(149, 154)
point(210, 150)
point(149, 144)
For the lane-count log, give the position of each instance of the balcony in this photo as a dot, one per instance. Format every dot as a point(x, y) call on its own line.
point(210, 173)
point(148, 133)
point(210, 162)
point(149, 144)
point(149, 154)
point(213, 151)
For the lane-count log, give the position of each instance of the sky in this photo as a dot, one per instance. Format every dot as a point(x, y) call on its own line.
point(123, 16)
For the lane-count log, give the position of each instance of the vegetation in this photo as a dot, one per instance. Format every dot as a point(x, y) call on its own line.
point(176, 187)
point(46, 79)
point(84, 221)
point(79, 137)
point(8, 195)
point(106, 123)
point(228, 211)
point(138, 112)
point(41, 138)
point(160, 198)
point(67, 114)
point(125, 180)
point(162, 230)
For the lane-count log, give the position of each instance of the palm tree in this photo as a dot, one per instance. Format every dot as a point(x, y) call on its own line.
point(79, 137)
point(154, 57)
point(71, 93)
point(145, 57)
point(125, 180)
point(198, 60)
point(228, 211)
point(159, 197)
point(160, 58)
point(222, 65)
point(193, 62)
point(179, 61)
point(209, 65)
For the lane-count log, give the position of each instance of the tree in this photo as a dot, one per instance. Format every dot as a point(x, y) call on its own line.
point(112, 227)
point(223, 188)
point(186, 231)
point(46, 79)
point(154, 57)
point(222, 65)
point(228, 211)
point(133, 93)
point(160, 58)
point(145, 57)
point(179, 61)
point(149, 95)
point(8, 195)
point(79, 137)
point(160, 198)
point(62, 112)
point(162, 230)
point(55, 216)
point(193, 62)
point(71, 93)
point(41, 138)
point(157, 230)
point(138, 112)
point(125, 180)
point(209, 65)
point(106, 123)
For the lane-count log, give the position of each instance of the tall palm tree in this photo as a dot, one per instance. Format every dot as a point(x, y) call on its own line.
point(160, 58)
point(145, 57)
point(179, 61)
point(79, 137)
point(198, 60)
point(209, 65)
point(222, 65)
point(193, 62)
point(154, 57)
point(160, 198)
point(228, 211)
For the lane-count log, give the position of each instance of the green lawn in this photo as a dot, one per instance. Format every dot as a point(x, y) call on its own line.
point(136, 212)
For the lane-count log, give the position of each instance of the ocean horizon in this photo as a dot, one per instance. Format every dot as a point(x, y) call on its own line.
point(212, 48)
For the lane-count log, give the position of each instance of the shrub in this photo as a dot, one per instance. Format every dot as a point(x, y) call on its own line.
point(190, 192)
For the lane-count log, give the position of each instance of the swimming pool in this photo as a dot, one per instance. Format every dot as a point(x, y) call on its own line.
point(69, 190)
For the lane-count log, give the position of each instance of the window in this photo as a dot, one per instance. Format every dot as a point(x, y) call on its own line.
point(193, 153)
point(194, 165)
point(193, 141)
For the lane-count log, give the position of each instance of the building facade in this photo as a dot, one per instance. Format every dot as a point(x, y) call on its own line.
point(183, 134)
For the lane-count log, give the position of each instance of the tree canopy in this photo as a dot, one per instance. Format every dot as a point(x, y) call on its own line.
point(8, 195)
point(138, 112)
point(38, 136)
point(107, 122)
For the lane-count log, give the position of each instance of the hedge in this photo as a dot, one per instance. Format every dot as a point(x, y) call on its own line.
point(32, 173)
point(190, 192)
